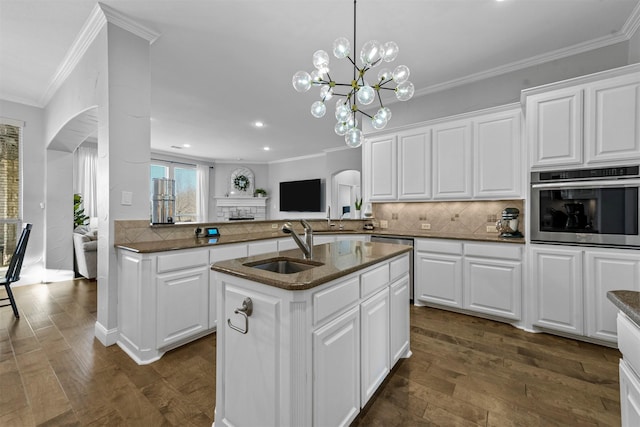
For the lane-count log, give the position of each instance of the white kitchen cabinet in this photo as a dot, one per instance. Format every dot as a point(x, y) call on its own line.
point(558, 288)
point(629, 345)
point(254, 356)
point(452, 160)
point(316, 346)
point(399, 318)
point(497, 161)
point(374, 321)
point(471, 156)
point(183, 304)
point(163, 300)
point(336, 367)
point(320, 239)
point(554, 127)
point(262, 247)
point(588, 120)
point(612, 118)
point(629, 396)
point(287, 243)
point(414, 164)
point(382, 171)
point(221, 253)
point(607, 270)
point(438, 272)
point(493, 279)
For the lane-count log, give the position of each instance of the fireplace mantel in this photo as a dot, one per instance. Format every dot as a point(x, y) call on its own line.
point(230, 207)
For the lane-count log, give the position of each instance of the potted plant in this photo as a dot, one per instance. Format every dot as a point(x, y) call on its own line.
point(358, 205)
point(260, 192)
point(79, 218)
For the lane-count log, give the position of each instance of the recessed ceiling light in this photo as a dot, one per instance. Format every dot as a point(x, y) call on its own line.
point(186, 145)
point(258, 124)
point(266, 148)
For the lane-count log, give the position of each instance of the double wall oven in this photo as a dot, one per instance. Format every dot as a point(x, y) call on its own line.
point(586, 206)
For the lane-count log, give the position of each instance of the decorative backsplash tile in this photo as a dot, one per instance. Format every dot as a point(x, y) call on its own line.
point(450, 217)
point(136, 231)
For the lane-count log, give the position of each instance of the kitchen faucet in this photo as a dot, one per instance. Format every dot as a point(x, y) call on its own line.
point(306, 248)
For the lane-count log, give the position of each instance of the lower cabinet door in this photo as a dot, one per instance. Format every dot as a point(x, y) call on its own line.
point(558, 288)
point(493, 287)
point(399, 318)
point(183, 305)
point(629, 396)
point(336, 371)
point(439, 279)
point(608, 270)
point(374, 315)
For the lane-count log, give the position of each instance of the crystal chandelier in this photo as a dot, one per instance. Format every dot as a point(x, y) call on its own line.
point(359, 91)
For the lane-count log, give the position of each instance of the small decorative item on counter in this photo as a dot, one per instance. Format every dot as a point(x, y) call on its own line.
point(260, 192)
point(358, 206)
point(368, 211)
point(508, 225)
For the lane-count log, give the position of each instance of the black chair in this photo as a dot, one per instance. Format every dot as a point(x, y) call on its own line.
point(13, 273)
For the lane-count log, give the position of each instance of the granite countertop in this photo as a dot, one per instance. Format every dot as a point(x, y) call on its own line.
point(198, 242)
point(628, 302)
point(338, 258)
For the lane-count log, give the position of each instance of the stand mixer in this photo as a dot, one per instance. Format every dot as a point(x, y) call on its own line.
point(508, 225)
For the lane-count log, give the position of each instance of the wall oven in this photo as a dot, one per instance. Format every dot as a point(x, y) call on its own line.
point(586, 206)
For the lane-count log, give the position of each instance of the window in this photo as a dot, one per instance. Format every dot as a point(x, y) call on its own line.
point(9, 191)
point(186, 187)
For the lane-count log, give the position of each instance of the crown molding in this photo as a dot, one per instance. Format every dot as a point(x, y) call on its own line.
point(621, 36)
point(294, 159)
point(633, 23)
point(100, 15)
point(126, 23)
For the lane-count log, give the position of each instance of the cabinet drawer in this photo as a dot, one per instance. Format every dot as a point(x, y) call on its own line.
point(439, 246)
point(331, 301)
point(629, 341)
point(182, 260)
point(373, 280)
point(398, 267)
point(504, 251)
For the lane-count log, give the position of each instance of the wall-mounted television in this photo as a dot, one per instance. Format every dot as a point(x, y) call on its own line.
point(302, 196)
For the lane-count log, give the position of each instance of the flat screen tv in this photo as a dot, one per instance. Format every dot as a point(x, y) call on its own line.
point(302, 196)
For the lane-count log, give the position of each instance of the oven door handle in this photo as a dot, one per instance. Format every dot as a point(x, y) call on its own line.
point(589, 184)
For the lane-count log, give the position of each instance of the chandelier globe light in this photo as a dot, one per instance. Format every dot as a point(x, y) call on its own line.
point(359, 91)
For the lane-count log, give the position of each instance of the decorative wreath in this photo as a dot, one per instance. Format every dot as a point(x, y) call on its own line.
point(241, 182)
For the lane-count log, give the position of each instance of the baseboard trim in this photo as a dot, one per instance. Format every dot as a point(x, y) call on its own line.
point(106, 336)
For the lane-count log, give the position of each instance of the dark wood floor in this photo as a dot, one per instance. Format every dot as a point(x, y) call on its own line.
point(464, 371)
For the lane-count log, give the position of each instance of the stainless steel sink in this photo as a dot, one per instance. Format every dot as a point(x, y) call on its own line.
point(284, 265)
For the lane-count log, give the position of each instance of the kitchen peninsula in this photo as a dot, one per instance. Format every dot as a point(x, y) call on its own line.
point(309, 347)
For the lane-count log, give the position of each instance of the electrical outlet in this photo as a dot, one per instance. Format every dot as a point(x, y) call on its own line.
point(426, 226)
point(384, 223)
point(394, 216)
point(491, 229)
point(274, 226)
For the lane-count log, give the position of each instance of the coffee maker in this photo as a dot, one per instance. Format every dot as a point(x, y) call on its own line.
point(508, 225)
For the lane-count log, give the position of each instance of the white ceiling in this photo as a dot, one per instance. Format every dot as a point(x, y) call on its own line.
point(220, 65)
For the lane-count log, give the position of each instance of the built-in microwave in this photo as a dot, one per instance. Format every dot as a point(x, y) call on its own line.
point(586, 206)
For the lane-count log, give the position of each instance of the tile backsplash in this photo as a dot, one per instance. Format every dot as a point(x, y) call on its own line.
point(450, 217)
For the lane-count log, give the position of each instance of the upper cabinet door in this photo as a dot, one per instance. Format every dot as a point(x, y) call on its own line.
point(452, 160)
point(383, 173)
point(497, 155)
point(554, 127)
point(612, 113)
point(414, 167)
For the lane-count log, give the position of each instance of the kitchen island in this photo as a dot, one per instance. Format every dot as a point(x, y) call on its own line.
point(309, 347)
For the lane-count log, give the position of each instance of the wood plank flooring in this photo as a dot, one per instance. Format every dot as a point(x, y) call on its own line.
point(464, 371)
